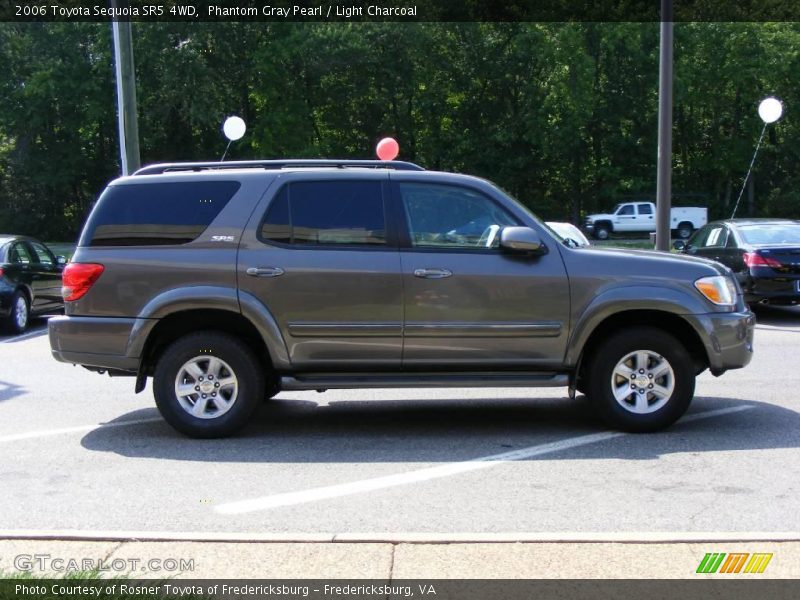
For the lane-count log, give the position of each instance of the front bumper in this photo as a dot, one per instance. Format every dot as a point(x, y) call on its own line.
point(94, 341)
point(728, 338)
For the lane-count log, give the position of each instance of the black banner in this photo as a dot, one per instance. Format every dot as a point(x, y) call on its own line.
point(394, 10)
point(705, 588)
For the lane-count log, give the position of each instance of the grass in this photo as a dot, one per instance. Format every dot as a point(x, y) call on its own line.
point(624, 243)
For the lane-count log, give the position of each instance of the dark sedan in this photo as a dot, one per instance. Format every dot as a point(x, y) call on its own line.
point(30, 281)
point(764, 254)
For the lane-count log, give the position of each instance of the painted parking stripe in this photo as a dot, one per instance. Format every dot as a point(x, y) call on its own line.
point(78, 429)
point(25, 336)
point(437, 472)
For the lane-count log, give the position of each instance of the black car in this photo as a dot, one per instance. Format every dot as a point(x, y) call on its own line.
point(30, 281)
point(763, 253)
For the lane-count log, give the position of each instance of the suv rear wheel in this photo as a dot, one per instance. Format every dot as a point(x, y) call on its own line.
point(208, 384)
point(641, 380)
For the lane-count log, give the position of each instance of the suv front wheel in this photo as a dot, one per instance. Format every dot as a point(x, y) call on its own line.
point(208, 384)
point(641, 380)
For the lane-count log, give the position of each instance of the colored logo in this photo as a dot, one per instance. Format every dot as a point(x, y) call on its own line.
point(735, 562)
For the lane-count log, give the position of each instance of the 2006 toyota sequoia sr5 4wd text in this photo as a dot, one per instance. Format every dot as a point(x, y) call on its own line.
point(229, 282)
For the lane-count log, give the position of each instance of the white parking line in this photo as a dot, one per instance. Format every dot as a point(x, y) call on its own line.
point(78, 429)
point(447, 470)
point(24, 336)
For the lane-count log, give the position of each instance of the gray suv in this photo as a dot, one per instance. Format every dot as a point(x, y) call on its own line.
point(229, 282)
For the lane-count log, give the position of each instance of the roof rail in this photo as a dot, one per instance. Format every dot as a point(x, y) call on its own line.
point(158, 169)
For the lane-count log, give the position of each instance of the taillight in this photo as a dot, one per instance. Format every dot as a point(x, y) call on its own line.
point(754, 259)
point(77, 278)
point(1, 271)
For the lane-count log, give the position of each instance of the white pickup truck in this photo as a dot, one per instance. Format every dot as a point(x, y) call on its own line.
point(641, 216)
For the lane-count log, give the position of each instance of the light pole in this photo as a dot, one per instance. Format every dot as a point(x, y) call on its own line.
point(126, 92)
point(664, 177)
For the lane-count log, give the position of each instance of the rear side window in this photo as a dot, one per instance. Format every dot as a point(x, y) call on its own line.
point(160, 214)
point(327, 213)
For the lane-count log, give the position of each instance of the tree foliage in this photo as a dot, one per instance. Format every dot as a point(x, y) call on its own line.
point(563, 116)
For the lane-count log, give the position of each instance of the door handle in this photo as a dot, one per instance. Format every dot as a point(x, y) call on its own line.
point(265, 271)
point(432, 273)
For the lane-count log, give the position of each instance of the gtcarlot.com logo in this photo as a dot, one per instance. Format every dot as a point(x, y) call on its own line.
point(48, 562)
point(735, 562)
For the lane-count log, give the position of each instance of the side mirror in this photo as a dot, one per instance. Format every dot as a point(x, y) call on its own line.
point(521, 240)
point(61, 260)
point(679, 245)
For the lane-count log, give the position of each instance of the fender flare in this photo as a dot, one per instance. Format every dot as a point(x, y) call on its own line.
point(630, 298)
point(210, 298)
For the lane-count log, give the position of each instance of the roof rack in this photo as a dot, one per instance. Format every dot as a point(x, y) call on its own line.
point(158, 169)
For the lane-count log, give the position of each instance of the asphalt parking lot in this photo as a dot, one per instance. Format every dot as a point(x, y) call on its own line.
point(82, 452)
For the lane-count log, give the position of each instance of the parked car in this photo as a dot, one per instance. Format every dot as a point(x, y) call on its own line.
point(30, 281)
point(229, 282)
point(641, 217)
point(763, 253)
point(568, 231)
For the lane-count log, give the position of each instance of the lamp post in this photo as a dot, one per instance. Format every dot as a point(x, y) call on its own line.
point(664, 176)
point(126, 92)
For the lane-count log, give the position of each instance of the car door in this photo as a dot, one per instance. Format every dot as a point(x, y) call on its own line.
point(322, 258)
point(646, 220)
point(21, 269)
point(625, 218)
point(46, 277)
point(468, 304)
point(712, 245)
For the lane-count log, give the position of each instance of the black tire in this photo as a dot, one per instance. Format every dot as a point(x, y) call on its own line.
point(272, 387)
point(237, 360)
point(685, 231)
point(656, 344)
point(14, 323)
point(602, 232)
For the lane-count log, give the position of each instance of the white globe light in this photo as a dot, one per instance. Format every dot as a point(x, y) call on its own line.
point(770, 110)
point(234, 128)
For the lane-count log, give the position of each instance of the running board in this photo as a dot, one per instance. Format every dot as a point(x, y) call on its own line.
point(414, 380)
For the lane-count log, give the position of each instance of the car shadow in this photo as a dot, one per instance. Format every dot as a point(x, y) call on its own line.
point(303, 431)
point(10, 390)
point(781, 317)
point(36, 327)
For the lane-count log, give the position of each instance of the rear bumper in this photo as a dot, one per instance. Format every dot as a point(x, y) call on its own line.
point(94, 341)
point(763, 285)
point(728, 339)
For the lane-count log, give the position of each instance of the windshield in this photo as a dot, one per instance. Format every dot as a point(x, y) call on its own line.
point(771, 233)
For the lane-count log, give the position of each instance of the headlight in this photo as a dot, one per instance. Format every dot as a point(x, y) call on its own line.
point(718, 289)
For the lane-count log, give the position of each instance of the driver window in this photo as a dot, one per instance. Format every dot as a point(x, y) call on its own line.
point(444, 216)
point(626, 210)
point(716, 238)
point(43, 254)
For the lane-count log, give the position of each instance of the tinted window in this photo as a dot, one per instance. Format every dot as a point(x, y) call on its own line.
point(327, 212)
point(20, 254)
point(626, 210)
point(645, 209)
point(156, 214)
point(277, 226)
point(452, 217)
point(43, 254)
point(716, 238)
